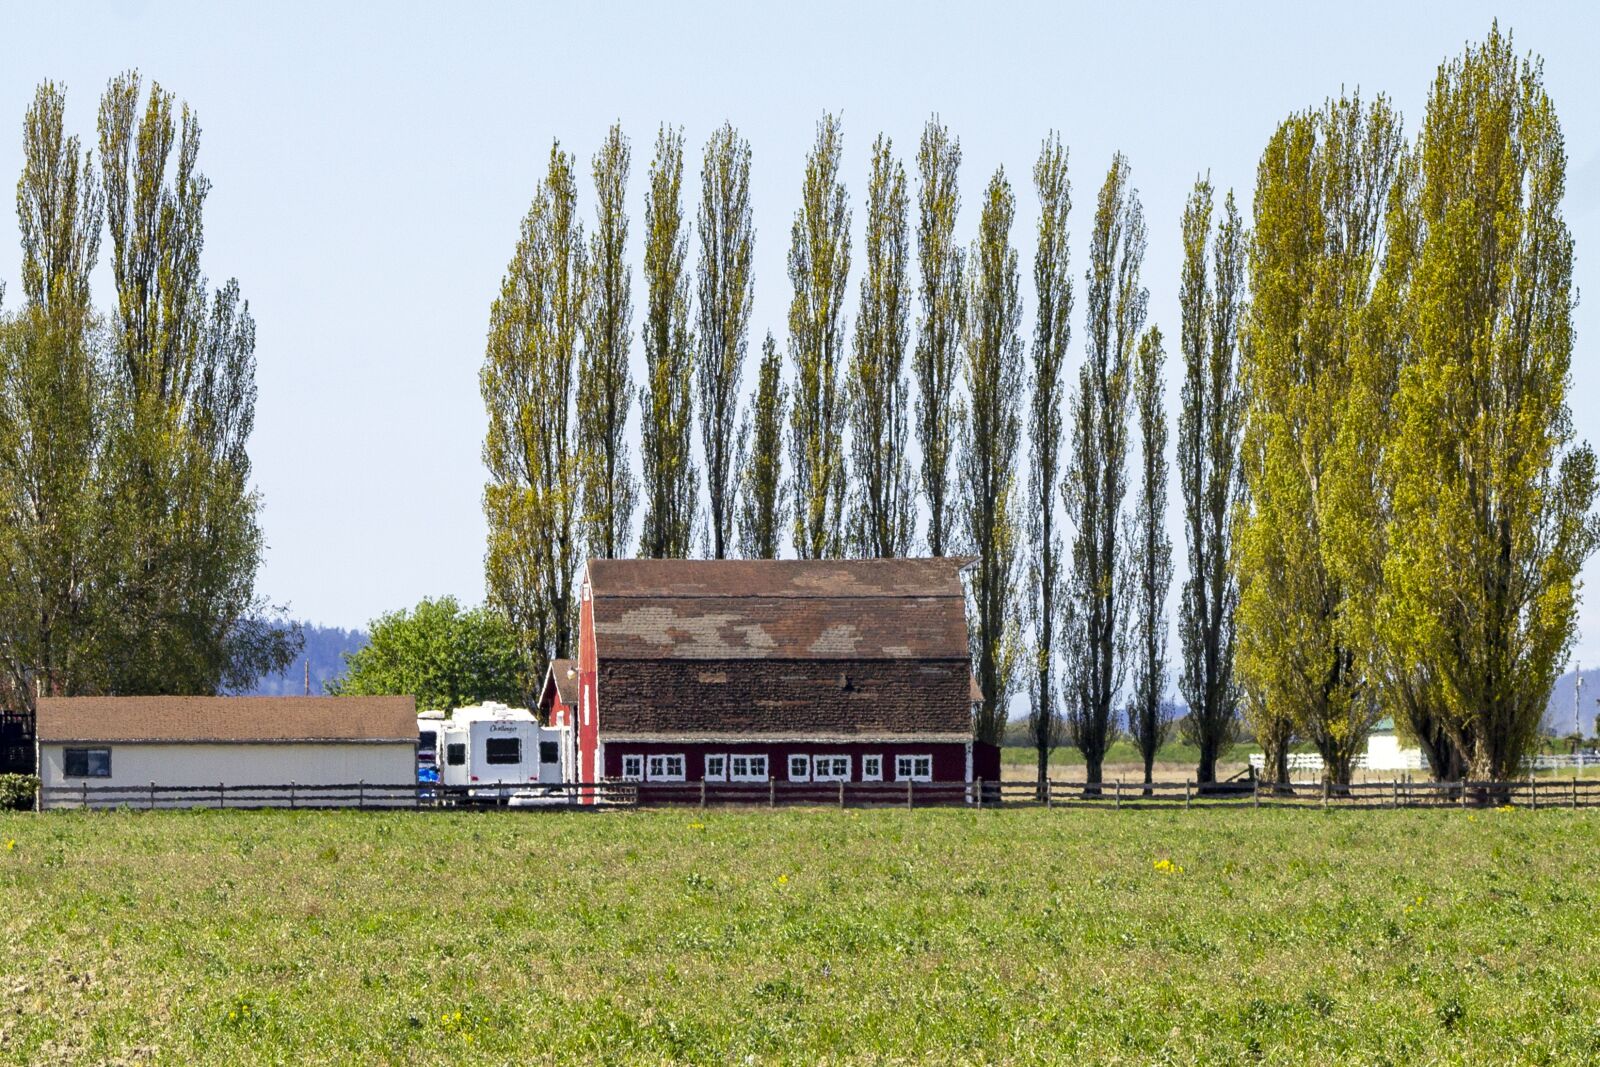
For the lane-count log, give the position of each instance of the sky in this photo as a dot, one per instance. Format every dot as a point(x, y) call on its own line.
point(370, 166)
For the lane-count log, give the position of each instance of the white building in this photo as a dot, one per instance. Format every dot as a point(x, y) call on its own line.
point(111, 751)
point(1384, 752)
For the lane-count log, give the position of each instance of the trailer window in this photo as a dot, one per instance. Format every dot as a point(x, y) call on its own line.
point(502, 750)
point(455, 754)
point(549, 752)
point(87, 762)
point(427, 741)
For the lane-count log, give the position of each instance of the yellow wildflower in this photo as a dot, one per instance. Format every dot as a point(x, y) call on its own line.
point(783, 879)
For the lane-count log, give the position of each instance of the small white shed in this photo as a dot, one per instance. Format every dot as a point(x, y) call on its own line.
point(1384, 751)
point(111, 751)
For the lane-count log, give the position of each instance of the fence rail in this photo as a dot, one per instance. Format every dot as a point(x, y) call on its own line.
point(1531, 792)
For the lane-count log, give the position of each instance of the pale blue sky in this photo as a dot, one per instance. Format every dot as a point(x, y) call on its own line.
point(370, 166)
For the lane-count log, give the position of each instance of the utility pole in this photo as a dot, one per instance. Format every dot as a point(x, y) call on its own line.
point(308, 676)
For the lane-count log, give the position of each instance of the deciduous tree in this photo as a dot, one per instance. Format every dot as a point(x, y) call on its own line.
point(1149, 712)
point(763, 512)
point(445, 657)
point(943, 296)
point(881, 508)
point(819, 268)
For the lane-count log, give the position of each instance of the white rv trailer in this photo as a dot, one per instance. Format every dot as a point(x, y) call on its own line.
point(498, 751)
point(428, 723)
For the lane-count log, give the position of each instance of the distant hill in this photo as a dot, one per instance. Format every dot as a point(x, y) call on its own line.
point(324, 651)
point(1558, 709)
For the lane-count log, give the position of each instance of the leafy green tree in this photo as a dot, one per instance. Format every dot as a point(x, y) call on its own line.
point(1149, 712)
point(182, 615)
point(943, 296)
point(989, 443)
point(51, 421)
point(1096, 619)
point(532, 498)
point(1302, 646)
point(881, 511)
point(763, 513)
point(1209, 425)
point(671, 483)
point(1492, 498)
point(727, 288)
point(445, 657)
point(1052, 337)
point(819, 268)
point(605, 388)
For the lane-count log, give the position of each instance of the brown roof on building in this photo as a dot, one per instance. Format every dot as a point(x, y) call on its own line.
point(562, 676)
point(896, 609)
point(189, 718)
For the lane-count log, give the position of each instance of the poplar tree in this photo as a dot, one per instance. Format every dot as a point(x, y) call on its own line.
point(51, 385)
point(532, 498)
point(726, 286)
point(990, 438)
point(1209, 425)
point(1052, 336)
point(819, 268)
point(942, 291)
point(1321, 188)
point(881, 509)
point(1149, 712)
point(182, 614)
point(1492, 498)
point(762, 509)
point(671, 484)
point(1096, 623)
point(605, 387)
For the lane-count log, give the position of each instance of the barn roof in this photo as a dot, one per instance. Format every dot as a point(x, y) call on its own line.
point(241, 719)
point(562, 677)
point(896, 609)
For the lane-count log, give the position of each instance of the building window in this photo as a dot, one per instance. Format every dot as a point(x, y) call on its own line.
point(632, 768)
point(549, 752)
point(716, 768)
point(87, 762)
point(872, 768)
point(665, 768)
point(500, 750)
point(830, 768)
point(913, 768)
point(455, 754)
point(799, 769)
point(749, 768)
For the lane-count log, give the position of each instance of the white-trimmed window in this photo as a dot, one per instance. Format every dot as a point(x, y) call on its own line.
point(86, 763)
point(745, 768)
point(632, 768)
point(664, 768)
point(716, 768)
point(799, 768)
point(872, 768)
point(913, 768)
point(830, 768)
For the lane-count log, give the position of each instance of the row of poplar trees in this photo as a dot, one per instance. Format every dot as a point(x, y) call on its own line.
point(1384, 510)
point(129, 539)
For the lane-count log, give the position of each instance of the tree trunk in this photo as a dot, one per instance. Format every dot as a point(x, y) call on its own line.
point(1093, 774)
point(1149, 771)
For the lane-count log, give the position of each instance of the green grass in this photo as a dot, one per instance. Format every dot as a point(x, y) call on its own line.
point(811, 936)
point(1120, 752)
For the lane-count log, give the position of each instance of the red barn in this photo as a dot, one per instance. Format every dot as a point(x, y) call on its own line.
point(786, 670)
point(558, 707)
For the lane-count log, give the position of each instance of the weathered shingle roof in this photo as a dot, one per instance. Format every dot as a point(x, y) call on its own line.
point(190, 718)
point(562, 676)
point(903, 609)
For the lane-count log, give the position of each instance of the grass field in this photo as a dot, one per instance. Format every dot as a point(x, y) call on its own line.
point(813, 936)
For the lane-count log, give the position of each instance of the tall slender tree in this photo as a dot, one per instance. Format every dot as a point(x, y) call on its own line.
point(1209, 424)
point(1321, 189)
point(1052, 337)
point(989, 442)
point(882, 506)
point(184, 615)
point(819, 268)
point(763, 513)
point(605, 387)
point(1149, 711)
point(527, 381)
point(51, 384)
point(726, 285)
point(939, 324)
point(671, 484)
point(1492, 498)
point(1096, 623)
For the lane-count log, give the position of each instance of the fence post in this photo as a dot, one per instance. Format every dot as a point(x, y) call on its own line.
point(222, 794)
point(1118, 793)
point(1396, 803)
point(1050, 794)
point(1463, 791)
point(1325, 790)
point(1255, 792)
point(361, 794)
point(1574, 790)
point(772, 792)
point(291, 796)
point(841, 794)
point(85, 804)
point(1186, 792)
point(152, 796)
point(702, 790)
point(910, 788)
point(1533, 792)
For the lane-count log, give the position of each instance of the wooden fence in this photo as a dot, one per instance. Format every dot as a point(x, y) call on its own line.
point(1530, 793)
